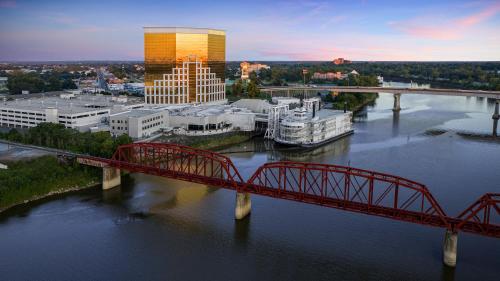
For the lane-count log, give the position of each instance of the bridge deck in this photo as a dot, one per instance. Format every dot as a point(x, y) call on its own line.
point(392, 90)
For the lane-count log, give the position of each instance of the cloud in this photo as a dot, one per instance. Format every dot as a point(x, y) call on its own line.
point(8, 4)
point(435, 28)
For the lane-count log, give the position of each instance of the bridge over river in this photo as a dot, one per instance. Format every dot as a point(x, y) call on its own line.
point(313, 90)
point(340, 187)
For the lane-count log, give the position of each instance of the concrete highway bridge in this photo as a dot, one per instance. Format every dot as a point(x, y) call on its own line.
point(340, 187)
point(310, 91)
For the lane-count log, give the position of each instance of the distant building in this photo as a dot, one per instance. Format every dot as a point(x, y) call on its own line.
point(338, 61)
point(332, 75)
point(184, 65)
point(247, 68)
point(116, 87)
point(134, 88)
point(327, 75)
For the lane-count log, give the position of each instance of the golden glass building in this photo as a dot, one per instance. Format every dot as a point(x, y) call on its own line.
point(184, 65)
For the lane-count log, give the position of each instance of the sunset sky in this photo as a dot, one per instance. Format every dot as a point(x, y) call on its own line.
point(256, 30)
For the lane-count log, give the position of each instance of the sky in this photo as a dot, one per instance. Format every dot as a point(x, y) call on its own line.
point(256, 30)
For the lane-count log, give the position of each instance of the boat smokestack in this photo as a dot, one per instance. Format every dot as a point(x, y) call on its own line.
point(345, 107)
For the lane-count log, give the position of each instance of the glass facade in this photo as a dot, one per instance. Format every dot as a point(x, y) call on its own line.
point(168, 48)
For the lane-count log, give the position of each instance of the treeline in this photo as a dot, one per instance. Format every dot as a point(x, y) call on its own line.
point(37, 83)
point(100, 144)
point(25, 180)
point(464, 75)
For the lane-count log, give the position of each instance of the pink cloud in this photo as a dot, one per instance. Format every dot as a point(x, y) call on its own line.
point(445, 30)
point(7, 3)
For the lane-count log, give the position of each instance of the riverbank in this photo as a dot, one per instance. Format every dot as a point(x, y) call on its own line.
point(35, 179)
point(215, 142)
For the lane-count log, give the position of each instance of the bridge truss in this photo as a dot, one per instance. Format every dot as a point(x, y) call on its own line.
point(334, 186)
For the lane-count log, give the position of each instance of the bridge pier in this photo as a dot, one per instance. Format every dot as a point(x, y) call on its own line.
point(397, 103)
point(110, 177)
point(495, 117)
point(243, 205)
point(450, 248)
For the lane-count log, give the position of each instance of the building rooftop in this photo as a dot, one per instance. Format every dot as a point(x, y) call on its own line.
point(207, 110)
point(136, 113)
point(191, 30)
point(255, 105)
point(78, 104)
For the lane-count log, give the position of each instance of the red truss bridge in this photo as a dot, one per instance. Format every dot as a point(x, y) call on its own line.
point(335, 186)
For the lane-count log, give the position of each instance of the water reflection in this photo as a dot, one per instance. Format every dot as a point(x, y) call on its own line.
point(395, 123)
point(242, 232)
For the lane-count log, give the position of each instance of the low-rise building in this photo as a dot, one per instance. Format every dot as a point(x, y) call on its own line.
point(79, 112)
point(247, 68)
point(138, 123)
point(211, 120)
point(332, 75)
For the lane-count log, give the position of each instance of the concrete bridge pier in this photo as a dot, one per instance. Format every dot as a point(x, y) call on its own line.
point(110, 177)
point(243, 205)
point(397, 103)
point(495, 117)
point(450, 248)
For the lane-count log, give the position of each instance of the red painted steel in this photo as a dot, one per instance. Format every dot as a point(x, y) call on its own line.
point(482, 217)
point(349, 189)
point(335, 186)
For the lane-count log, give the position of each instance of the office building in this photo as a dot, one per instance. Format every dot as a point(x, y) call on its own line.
point(184, 65)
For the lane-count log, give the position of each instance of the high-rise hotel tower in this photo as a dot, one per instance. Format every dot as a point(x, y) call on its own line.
point(184, 65)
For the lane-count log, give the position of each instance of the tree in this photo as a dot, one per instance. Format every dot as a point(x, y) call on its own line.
point(253, 90)
point(19, 82)
point(253, 77)
point(237, 88)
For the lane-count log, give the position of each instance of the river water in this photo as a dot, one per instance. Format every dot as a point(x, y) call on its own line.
point(159, 229)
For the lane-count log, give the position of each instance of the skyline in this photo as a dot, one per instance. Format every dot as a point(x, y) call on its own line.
point(280, 31)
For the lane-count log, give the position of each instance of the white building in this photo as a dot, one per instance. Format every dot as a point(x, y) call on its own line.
point(211, 120)
point(79, 112)
point(191, 120)
point(138, 123)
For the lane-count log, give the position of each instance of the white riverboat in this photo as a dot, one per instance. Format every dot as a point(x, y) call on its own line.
point(304, 128)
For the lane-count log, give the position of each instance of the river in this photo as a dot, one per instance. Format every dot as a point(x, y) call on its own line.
point(159, 229)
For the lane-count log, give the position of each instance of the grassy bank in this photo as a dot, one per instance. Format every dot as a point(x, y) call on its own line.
point(216, 142)
point(30, 180)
